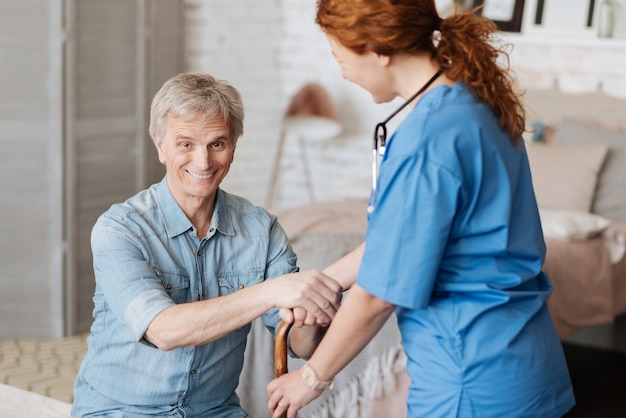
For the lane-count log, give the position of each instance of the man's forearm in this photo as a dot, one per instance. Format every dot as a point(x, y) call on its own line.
point(190, 324)
point(196, 323)
point(303, 340)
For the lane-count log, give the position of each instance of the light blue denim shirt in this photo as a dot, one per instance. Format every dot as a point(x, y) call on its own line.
point(147, 257)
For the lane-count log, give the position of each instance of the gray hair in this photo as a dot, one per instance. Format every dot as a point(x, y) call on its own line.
point(192, 95)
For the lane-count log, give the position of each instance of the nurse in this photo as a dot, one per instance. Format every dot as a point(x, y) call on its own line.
point(454, 243)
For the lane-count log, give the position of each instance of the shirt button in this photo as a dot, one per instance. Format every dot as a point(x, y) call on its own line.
point(199, 253)
point(241, 286)
point(212, 230)
point(193, 372)
point(169, 287)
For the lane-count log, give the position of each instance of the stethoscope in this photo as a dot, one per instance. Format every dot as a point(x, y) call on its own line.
point(380, 140)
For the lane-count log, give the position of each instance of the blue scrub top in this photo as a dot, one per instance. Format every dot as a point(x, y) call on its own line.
point(455, 242)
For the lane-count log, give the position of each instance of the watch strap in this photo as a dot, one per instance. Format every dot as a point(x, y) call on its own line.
point(309, 376)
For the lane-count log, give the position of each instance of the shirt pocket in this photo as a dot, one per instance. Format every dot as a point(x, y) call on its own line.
point(175, 284)
point(230, 282)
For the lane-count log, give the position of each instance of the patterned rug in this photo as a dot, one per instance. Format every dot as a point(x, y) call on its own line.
point(44, 366)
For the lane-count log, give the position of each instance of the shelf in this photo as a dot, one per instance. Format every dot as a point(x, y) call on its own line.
point(572, 65)
point(555, 40)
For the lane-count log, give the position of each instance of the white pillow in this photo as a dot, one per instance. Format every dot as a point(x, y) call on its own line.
point(566, 225)
point(565, 176)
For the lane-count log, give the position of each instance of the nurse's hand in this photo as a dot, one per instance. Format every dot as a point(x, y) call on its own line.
point(288, 393)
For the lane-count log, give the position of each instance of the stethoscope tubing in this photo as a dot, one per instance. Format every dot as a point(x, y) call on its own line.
point(380, 140)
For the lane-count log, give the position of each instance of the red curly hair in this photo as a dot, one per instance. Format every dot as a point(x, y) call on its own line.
point(467, 50)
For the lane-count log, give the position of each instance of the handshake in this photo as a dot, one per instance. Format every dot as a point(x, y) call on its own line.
point(307, 298)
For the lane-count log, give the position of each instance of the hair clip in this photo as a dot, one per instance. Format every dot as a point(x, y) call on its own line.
point(436, 37)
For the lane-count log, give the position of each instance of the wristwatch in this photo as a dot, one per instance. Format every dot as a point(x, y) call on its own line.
point(312, 381)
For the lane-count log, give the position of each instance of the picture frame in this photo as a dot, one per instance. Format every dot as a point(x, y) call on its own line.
point(446, 8)
point(507, 14)
point(561, 18)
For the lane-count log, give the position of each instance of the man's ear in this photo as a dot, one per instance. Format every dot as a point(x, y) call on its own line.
point(159, 147)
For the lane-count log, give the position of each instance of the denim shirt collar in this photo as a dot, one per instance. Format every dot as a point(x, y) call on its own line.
point(175, 220)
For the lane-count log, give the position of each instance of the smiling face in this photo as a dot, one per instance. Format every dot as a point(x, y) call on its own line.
point(197, 155)
point(368, 70)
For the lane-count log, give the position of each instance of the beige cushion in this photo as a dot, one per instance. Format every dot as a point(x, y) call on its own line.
point(610, 199)
point(565, 177)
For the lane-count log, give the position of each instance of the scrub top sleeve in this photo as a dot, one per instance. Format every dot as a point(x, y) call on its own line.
point(408, 230)
point(131, 287)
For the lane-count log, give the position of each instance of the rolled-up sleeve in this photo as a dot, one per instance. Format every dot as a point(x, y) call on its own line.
point(128, 282)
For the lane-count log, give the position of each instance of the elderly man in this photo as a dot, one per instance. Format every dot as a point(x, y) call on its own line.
point(183, 267)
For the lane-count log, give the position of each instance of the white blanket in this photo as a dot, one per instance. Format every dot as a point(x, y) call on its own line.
point(19, 403)
point(573, 226)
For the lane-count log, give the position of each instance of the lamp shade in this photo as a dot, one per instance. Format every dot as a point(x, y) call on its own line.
point(311, 128)
point(310, 116)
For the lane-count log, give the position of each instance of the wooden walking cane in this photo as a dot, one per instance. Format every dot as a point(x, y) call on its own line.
point(280, 351)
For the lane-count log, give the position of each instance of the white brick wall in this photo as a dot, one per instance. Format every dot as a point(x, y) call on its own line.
point(240, 41)
point(269, 49)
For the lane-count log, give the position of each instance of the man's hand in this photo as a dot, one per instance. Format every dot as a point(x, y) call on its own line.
point(307, 298)
point(299, 317)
